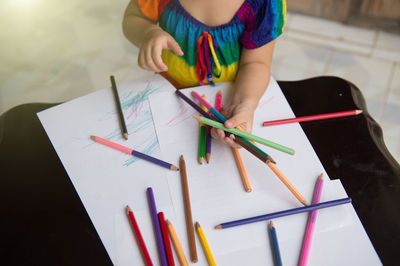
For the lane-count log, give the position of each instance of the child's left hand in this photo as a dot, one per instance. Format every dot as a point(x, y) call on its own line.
point(242, 115)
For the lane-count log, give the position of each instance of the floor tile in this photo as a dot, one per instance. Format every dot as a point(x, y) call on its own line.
point(371, 76)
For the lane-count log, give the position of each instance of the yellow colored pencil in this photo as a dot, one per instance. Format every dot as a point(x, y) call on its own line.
point(177, 244)
point(205, 245)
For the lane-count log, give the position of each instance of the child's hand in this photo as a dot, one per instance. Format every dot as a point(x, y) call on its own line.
point(242, 115)
point(155, 41)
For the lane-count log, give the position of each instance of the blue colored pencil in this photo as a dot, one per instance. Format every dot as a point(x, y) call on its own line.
point(284, 213)
point(275, 246)
point(157, 227)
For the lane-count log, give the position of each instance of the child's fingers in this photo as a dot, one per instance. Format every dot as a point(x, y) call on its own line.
point(237, 119)
point(174, 47)
point(156, 57)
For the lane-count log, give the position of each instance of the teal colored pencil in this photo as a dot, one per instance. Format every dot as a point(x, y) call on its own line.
point(245, 135)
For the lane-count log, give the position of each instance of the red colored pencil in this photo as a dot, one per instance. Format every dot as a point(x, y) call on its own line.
point(167, 244)
point(312, 117)
point(139, 238)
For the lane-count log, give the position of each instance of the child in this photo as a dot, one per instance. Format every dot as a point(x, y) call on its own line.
point(205, 41)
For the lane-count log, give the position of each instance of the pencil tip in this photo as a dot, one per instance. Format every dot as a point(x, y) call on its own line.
point(358, 112)
point(208, 157)
point(271, 224)
point(305, 203)
point(175, 168)
point(201, 159)
point(128, 209)
point(218, 227)
point(93, 138)
point(321, 176)
point(197, 225)
point(197, 117)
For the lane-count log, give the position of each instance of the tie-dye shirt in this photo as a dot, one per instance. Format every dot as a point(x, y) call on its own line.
point(211, 54)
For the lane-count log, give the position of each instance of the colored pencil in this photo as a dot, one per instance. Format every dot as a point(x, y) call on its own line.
point(208, 137)
point(167, 244)
point(134, 153)
point(287, 183)
point(205, 114)
point(312, 117)
point(157, 227)
point(274, 215)
point(188, 210)
point(139, 238)
point(208, 144)
point(202, 140)
point(177, 244)
point(202, 143)
point(205, 245)
point(275, 246)
point(305, 250)
point(119, 108)
point(248, 145)
point(193, 104)
point(271, 164)
point(245, 135)
point(218, 101)
point(241, 169)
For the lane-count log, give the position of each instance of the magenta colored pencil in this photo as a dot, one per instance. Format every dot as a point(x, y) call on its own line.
point(312, 117)
point(218, 101)
point(305, 250)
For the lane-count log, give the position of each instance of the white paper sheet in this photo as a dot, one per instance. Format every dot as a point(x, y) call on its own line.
point(216, 189)
point(106, 179)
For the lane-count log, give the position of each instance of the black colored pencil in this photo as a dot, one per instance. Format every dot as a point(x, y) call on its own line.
point(119, 108)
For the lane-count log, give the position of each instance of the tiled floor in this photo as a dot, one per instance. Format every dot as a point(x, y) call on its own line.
point(55, 51)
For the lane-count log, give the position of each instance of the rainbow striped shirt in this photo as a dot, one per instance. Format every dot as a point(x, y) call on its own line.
point(211, 54)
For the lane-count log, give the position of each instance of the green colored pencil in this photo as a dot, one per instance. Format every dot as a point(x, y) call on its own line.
point(202, 143)
point(245, 135)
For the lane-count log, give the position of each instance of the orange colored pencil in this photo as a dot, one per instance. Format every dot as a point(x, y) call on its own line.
point(242, 171)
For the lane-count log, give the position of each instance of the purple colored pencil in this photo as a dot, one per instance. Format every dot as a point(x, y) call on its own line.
point(194, 105)
point(157, 227)
point(284, 213)
point(208, 143)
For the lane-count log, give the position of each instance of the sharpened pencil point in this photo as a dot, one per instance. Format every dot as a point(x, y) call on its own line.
point(359, 112)
point(93, 138)
point(208, 157)
point(125, 136)
point(173, 167)
point(201, 160)
point(196, 225)
point(305, 203)
point(197, 117)
point(271, 224)
point(218, 227)
point(128, 209)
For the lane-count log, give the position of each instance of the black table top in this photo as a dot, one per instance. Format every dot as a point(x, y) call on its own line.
point(44, 222)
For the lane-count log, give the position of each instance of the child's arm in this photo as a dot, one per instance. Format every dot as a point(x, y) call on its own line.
point(149, 37)
point(250, 84)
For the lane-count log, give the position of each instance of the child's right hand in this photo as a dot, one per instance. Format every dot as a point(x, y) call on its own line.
point(155, 41)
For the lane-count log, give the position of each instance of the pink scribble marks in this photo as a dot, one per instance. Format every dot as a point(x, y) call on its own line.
point(266, 101)
point(181, 116)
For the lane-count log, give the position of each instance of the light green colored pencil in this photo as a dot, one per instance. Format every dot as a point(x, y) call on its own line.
point(245, 135)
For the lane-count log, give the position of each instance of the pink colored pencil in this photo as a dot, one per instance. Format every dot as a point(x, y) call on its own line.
point(305, 250)
point(218, 101)
point(312, 117)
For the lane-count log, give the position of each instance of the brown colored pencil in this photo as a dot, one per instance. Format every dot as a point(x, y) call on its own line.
point(119, 108)
point(242, 170)
point(188, 210)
